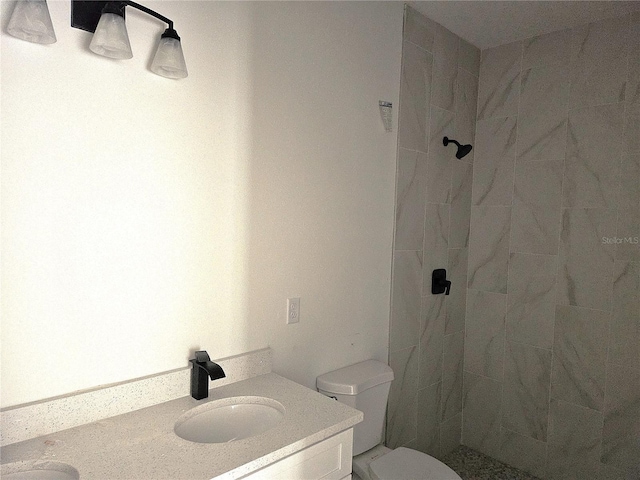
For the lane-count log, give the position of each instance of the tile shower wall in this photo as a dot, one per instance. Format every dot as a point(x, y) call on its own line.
point(438, 98)
point(552, 339)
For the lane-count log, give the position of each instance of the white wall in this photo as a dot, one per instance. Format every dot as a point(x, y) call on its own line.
point(143, 217)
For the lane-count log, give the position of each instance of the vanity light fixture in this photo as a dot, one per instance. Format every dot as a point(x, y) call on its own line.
point(31, 21)
point(110, 39)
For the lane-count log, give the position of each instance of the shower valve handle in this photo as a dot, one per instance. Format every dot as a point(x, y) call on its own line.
point(439, 282)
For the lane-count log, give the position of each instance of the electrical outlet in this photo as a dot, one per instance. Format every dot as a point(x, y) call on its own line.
point(293, 310)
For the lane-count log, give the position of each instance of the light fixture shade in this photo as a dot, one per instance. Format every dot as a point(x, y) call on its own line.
point(169, 59)
point(31, 21)
point(110, 38)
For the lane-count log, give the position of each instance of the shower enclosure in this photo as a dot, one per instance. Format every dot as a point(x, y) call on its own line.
point(544, 314)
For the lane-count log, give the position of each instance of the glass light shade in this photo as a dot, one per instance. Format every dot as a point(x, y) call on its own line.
point(110, 38)
point(31, 21)
point(169, 59)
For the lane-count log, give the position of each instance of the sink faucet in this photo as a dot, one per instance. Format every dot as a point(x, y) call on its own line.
point(202, 368)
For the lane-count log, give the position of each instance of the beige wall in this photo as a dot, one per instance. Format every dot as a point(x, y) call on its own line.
point(143, 218)
point(552, 347)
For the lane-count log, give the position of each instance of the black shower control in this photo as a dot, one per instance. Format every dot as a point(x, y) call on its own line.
point(439, 282)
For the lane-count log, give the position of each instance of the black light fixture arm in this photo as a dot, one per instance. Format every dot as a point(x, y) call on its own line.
point(148, 11)
point(85, 14)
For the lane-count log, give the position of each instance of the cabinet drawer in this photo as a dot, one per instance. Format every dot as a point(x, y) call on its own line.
point(328, 460)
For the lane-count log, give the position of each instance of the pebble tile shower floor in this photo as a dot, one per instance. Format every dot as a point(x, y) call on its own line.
point(472, 465)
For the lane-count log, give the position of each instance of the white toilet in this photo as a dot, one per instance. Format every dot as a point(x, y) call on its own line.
point(365, 386)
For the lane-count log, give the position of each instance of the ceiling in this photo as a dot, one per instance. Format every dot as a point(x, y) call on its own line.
point(487, 23)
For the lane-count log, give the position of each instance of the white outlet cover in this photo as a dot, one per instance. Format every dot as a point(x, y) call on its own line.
point(293, 310)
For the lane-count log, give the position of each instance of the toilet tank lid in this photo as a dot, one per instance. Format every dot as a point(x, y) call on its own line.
point(356, 378)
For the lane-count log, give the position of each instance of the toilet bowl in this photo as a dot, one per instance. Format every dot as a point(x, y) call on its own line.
point(365, 386)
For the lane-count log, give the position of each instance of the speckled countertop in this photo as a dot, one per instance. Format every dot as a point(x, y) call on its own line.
point(142, 444)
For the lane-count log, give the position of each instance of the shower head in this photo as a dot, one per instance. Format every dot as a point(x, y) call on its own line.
point(462, 149)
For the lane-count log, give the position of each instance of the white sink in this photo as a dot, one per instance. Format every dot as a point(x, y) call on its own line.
point(229, 419)
point(39, 471)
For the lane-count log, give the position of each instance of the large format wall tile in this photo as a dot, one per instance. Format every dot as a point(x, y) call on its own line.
point(599, 62)
point(499, 81)
point(410, 199)
point(456, 301)
point(450, 434)
point(445, 68)
point(542, 119)
point(594, 153)
point(586, 260)
point(633, 87)
point(461, 183)
point(495, 157)
point(469, 57)
point(572, 216)
point(452, 376)
point(428, 431)
point(537, 198)
point(548, 49)
point(574, 442)
point(632, 127)
point(482, 410)
point(523, 452)
point(628, 234)
point(440, 158)
point(406, 300)
point(436, 242)
point(531, 299)
point(525, 395)
point(415, 92)
point(402, 411)
point(628, 228)
point(466, 105)
point(489, 248)
point(431, 340)
point(624, 344)
point(607, 472)
point(419, 29)
point(580, 353)
point(621, 434)
point(485, 332)
point(438, 98)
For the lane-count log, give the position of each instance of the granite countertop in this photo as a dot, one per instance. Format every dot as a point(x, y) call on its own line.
point(142, 444)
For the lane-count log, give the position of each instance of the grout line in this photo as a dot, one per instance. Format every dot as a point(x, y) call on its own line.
point(623, 153)
point(456, 100)
point(482, 376)
point(506, 299)
point(558, 252)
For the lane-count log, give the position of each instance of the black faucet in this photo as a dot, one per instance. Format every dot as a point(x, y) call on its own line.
point(202, 368)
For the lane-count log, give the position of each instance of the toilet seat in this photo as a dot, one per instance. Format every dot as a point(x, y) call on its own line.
point(407, 464)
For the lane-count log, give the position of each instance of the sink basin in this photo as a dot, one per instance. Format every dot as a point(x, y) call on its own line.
point(39, 471)
point(229, 419)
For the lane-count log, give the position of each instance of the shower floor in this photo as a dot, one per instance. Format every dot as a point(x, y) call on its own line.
point(472, 465)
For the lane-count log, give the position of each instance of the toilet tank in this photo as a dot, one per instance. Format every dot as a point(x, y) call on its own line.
point(365, 387)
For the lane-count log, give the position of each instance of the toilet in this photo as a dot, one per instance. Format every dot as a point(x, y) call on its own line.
point(365, 387)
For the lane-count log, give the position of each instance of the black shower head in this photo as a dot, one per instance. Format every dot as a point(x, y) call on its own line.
point(462, 149)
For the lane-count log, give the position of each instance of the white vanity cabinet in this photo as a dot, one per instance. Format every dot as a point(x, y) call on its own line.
point(329, 459)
